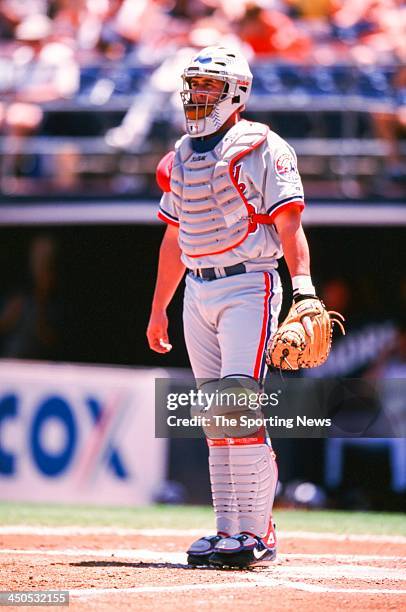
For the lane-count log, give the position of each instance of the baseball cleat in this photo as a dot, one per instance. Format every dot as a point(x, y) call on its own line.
point(199, 552)
point(242, 551)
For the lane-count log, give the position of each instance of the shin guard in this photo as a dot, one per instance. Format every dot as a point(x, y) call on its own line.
point(222, 489)
point(243, 480)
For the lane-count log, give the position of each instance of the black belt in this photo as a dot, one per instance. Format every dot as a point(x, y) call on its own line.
point(213, 273)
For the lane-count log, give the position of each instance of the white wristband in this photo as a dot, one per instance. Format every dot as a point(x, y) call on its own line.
point(302, 285)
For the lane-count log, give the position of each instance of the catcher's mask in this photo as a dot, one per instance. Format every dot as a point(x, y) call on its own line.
point(207, 110)
point(200, 96)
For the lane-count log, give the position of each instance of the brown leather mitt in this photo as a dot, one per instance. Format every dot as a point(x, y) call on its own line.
point(304, 338)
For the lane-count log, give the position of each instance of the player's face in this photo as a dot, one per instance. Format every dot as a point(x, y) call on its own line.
point(205, 92)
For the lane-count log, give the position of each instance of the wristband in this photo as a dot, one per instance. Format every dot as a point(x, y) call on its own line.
point(302, 285)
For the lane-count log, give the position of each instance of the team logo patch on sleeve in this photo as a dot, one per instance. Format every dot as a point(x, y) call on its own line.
point(286, 168)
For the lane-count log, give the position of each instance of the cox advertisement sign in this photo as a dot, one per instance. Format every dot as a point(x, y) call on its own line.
point(78, 434)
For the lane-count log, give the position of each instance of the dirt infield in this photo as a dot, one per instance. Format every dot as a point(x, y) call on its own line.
point(143, 570)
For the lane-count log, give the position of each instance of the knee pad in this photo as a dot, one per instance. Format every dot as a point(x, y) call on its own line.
point(231, 408)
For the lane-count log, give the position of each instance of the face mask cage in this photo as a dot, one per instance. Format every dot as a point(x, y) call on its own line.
point(207, 100)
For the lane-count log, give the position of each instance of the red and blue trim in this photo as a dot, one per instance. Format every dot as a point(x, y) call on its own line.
point(297, 200)
point(259, 368)
point(167, 217)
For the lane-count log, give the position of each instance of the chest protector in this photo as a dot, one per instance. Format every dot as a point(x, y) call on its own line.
point(214, 216)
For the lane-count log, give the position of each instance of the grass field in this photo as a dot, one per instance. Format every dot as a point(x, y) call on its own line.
point(196, 517)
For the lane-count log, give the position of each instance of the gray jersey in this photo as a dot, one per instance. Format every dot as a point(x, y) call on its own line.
point(269, 180)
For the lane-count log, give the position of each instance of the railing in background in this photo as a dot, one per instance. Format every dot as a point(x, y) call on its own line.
point(325, 112)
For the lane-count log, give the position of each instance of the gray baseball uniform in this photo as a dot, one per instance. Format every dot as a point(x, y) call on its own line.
point(224, 194)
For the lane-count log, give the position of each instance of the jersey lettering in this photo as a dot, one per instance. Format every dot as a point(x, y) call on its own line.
point(237, 171)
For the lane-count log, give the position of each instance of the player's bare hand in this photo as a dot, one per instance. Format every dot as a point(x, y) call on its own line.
point(157, 332)
point(308, 327)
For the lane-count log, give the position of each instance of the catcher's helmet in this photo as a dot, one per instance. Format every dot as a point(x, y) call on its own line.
point(207, 112)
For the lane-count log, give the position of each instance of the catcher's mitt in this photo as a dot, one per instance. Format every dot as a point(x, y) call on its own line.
point(304, 338)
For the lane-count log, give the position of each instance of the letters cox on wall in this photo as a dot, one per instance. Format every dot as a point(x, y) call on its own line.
point(56, 408)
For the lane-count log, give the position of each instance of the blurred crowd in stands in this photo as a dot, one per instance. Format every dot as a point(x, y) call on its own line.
point(57, 50)
point(323, 31)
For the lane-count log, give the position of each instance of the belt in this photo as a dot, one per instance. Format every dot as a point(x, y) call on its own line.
point(213, 273)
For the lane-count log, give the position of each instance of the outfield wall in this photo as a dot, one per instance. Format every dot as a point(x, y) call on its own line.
point(79, 434)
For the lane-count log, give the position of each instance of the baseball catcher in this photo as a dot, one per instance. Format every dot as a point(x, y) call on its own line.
point(232, 203)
